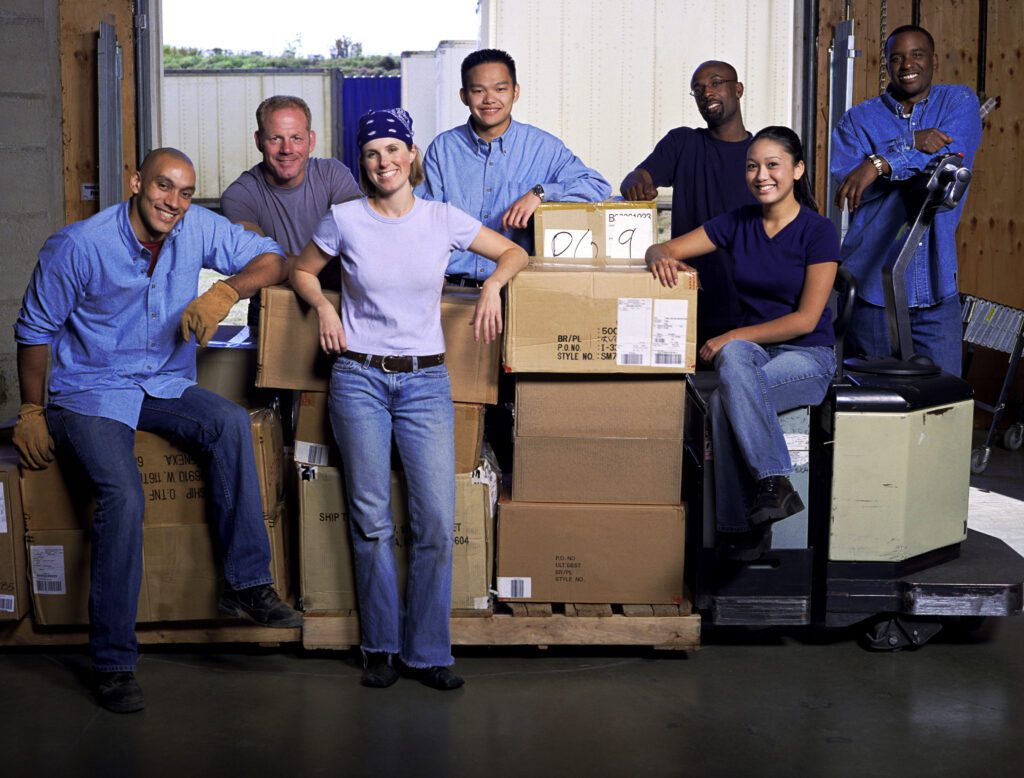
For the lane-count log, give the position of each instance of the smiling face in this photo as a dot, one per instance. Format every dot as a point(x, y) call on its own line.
point(911, 61)
point(717, 92)
point(771, 172)
point(286, 142)
point(387, 162)
point(162, 191)
point(490, 94)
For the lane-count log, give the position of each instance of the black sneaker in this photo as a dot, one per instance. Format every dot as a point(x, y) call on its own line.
point(259, 604)
point(776, 499)
point(378, 670)
point(441, 678)
point(746, 546)
point(119, 692)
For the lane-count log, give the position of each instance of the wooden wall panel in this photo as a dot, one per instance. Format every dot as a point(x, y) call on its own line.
point(79, 28)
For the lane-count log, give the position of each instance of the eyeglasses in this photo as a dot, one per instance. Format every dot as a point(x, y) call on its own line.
point(715, 84)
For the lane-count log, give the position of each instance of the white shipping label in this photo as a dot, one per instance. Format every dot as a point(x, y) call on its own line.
point(48, 569)
point(633, 333)
point(515, 587)
point(3, 511)
point(668, 332)
point(6, 603)
point(310, 453)
point(628, 233)
point(569, 244)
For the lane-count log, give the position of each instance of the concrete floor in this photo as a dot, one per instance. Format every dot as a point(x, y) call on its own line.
point(762, 702)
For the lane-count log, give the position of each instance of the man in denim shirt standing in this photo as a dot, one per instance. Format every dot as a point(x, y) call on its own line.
point(499, 170)
point(876, 147)
point(113, 300)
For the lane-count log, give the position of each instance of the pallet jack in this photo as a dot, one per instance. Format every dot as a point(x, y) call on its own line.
point(885, 474)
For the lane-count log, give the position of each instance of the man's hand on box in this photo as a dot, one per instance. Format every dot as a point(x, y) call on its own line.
point(206, 312)
point(32, 437)
point(518, 214)
point(639, 185)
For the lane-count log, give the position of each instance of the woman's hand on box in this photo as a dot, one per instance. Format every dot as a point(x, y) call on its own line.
point(332, 333)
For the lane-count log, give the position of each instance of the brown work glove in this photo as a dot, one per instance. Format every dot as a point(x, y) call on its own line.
point(207, 311)
point(32, 437)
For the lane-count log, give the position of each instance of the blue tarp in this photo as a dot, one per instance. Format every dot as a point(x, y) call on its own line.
point(359, 95)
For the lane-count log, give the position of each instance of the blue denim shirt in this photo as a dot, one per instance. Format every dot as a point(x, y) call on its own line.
point(485, 178)
point(880, 126)
point(112, 329)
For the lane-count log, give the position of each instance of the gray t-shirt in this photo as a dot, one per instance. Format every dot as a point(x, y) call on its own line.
point(289, 216)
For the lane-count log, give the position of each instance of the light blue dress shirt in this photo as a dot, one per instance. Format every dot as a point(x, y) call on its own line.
point(880, 126)
point(113, 330)
point(484, 178)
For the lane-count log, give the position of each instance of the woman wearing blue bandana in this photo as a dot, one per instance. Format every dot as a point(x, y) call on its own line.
point(389, 378)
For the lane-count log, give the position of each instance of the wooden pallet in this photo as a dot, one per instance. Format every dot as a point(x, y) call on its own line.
point(26, 633)
point(671, 627)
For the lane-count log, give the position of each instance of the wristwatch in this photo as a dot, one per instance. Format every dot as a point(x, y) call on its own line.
point(877, 162)
point(539, 191)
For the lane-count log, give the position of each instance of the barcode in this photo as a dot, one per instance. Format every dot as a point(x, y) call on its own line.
point(514, 587)
point(632, 359)
point(517, 588)
point(49, 587)
point(310, 453)
point(667, 358)
point(6, 603)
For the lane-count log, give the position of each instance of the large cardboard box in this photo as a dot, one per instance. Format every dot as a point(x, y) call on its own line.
point(227, 366)
point(327, 577)
point(590, 553)
point(60, 496)
point(600, 321)
point(14, 596)
point(290, 356)
point(599, 439)
point(578, 233)
point(314, 440)
point(181, 578)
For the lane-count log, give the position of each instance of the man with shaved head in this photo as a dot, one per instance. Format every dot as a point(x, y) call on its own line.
point(706, 169)
point(112, 302)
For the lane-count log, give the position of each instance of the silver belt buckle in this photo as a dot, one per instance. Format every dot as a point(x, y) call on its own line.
point(384, 362)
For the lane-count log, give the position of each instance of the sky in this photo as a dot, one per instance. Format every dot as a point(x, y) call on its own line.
point(390, 27)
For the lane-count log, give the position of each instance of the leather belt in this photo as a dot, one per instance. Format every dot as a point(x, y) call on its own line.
point(392, 363)
point(462, 281)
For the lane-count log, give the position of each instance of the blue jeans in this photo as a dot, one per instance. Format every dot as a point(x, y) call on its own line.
point(218, 433)
point(367, 405)
point(757, 384)
point(937, 332)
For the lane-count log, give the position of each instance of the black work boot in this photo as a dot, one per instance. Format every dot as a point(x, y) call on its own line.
point(776, 499)
point(259, 604)
point(437, 677)
point(119, 692)
point(378, 669)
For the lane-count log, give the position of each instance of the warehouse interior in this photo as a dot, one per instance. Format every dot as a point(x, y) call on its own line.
point(769, 700)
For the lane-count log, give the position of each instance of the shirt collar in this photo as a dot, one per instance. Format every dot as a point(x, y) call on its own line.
point(131, 240)
point(896, 106)
point(503, 141)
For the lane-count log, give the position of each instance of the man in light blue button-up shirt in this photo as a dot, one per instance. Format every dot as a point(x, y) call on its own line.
point(499, 170)
point(113, 299)
point(877, 147)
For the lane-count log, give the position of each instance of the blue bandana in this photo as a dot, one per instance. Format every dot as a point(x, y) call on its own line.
point(385, 123)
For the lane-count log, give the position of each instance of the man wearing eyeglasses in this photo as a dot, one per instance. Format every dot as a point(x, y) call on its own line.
point(706, 170)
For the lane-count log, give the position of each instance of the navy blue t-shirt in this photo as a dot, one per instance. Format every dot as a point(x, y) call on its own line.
point(770, 272)
point(708, 178)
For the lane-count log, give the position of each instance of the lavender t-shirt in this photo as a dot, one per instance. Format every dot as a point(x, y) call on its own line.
point(392, 271)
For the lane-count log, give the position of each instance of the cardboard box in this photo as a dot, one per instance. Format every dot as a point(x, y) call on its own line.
point(14, 596)
point(578, 233)
point(600, 321)
point(327, 577)
point(290, 355)
point(590, 553)
point(60, 496)
point(599, 439)
point(227, 366)
point(314, 440)
point(181, 578)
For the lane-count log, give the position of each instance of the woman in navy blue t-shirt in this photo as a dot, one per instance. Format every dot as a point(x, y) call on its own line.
point(781, 357)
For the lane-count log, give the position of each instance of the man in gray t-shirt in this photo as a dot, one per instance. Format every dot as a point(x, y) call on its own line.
point(287, 194)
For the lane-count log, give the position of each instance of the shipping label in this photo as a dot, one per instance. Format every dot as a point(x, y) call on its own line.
point(668, 332)
point(515, 587)
point(569, 244)
point(6, 603)
point(310, 453)
point(3, 511)
point(48, 569)
point(634, 331)
point(628, 233)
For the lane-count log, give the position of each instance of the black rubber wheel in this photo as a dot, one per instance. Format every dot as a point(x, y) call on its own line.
point(979, 459)
point(1013, 438)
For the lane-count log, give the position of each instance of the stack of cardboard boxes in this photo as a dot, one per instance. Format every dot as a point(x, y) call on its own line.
point(290, 358)
point(599, 347)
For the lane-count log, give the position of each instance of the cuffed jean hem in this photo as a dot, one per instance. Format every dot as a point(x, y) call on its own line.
point(257, 582)
point(114, 669)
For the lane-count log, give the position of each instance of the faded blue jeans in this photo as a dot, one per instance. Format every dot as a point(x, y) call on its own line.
point(367, 405)
point(757, 384)
point(218, 433)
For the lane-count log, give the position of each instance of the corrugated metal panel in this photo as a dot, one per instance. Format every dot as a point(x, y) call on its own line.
point(430, 88)
point(611, 77)
point(449, 56)
point(212, 119)
point(418, 73)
